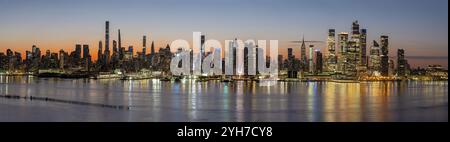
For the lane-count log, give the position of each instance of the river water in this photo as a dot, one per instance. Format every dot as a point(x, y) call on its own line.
point(156, 101)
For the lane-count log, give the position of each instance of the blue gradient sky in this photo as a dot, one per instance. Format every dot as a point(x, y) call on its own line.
point(418, 26)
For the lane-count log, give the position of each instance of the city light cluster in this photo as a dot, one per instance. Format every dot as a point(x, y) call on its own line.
point(349, 56)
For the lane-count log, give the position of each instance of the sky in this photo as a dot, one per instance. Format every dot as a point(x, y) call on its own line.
point(418, 26)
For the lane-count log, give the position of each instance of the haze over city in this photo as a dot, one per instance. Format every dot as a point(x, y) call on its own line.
point(418, 26)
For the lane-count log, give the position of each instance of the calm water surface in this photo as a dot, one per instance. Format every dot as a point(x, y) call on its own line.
point(155, 101)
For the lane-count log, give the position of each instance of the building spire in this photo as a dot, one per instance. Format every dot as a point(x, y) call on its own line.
point(152, 50)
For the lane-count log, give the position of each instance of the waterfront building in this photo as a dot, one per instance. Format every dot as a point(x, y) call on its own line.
point(331, 59)
point(343, 47)
point(375, 60)
point(391, 68)
point(363, 54)
point(384, 55)
point(401, 63)
point(319, 62)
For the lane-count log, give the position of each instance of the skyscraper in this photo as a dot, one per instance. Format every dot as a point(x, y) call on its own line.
point(331, 62)
point(106, 54)
point(384, 55)
point(61, 59)
point(343, 46)
point(355, 46)
point(28, 56)
point(290, 65)
point(351, 59)
point(310, 63)
point(355, 30)
point(363, 47)
point(290, 54)
point(280, 62)
point(202, 46)
point(36, 57)
point(246, 60)
point(144, 47)
point(85, 51)
point(99, 53)
point(115, 48)
point(114, 56)
point(401, 63)
point(391, 67)
point(375, 52)
point(152, 50)
point(303, 59)
point(77, 57)
point(107, 35)
point(86, 56)
point(130, 50)
point(319, 62)
point(120, 40)
point(34, 49)
point(290, 61)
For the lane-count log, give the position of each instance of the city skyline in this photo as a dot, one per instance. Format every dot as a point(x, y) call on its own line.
point(50, 31)
point(224, 61)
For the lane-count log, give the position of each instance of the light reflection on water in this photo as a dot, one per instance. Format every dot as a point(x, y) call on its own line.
point(153, 100)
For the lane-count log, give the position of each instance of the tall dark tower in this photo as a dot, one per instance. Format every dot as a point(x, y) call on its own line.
point(78, 52)
point(363, 47)
point(384, 55)
point(107, 42)
point(107, 36)
point(319, 62)
point(290, 54)
point(401, 63)
point(121, 51)
point(120, 40)
point(86, 56)
point(99, 53)
point(85, 51)
point(144, 46)
point(144, 41)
